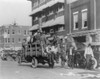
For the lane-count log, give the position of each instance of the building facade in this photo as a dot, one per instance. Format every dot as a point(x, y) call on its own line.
point(47, 15)
point(11, 36)
point(82, 20)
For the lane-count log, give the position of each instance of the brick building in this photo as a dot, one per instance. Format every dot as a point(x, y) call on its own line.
point(82, 20)
point(47, 15)
point(11, 36)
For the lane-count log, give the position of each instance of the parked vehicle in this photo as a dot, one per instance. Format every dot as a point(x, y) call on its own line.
point(34, 52)
point(3, 56)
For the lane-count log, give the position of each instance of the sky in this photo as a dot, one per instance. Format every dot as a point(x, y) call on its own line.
point(15, 10)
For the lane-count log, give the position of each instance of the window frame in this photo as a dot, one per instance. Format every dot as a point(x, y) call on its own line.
point(83, 11)
point(13, 31)
point(13, 40)
point(8, 40)
point(74, 14)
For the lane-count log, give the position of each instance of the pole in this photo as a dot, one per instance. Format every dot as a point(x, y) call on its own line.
point(40, 24)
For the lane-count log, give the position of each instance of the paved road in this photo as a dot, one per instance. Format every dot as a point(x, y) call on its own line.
point(11, 70)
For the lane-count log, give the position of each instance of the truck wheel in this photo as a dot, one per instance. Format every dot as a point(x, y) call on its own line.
point(34, 62)
point(19, 60)
point(94, 63)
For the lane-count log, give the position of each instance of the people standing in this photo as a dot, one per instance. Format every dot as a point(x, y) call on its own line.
point(88, 54)
point(71, 57)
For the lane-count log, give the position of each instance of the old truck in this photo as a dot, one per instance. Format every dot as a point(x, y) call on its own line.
point(35, 53)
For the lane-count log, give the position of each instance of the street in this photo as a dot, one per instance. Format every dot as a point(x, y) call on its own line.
point(11, 70)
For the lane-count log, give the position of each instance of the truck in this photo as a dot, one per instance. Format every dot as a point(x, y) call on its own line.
point(34, 53)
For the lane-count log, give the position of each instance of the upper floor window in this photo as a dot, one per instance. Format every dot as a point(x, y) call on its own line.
point(8, 31)
point(75, 20)
point(13, 31)
point(8, 40)
point(12, 40)
point(25, 32)
point(36, 3)
point(84, 18)
point(42, 1)
point(5, 39)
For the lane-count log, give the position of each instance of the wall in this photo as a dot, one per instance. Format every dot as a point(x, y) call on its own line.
point(78, 6)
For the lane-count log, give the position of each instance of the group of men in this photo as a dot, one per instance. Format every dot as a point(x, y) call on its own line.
point(60, 48)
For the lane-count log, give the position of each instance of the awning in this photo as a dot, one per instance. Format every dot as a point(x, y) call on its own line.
point(57, 21)
point(34, 27)
point(53, 2)
point(48, 4)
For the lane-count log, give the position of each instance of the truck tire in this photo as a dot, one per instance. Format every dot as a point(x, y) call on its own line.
point(34, 62)
point(94, 63)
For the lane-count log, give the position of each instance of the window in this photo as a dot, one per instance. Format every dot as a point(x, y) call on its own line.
point(75, 21)
point(13, 31)
point(42, 1)
point(12, 40)
point(5, 40)
point(25, 32)
point(84, 18)
point(35, 3)
point(8, 40)
point(8, 31)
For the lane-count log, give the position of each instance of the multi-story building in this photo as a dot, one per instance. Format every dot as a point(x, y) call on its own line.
point(82, 20)
point(47, 15)
point(11, 36)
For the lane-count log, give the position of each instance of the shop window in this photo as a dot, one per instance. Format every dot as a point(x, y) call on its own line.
point(84, 18)
point(75, 21)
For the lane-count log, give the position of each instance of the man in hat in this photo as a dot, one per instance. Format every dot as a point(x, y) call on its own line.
point(88, 54)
